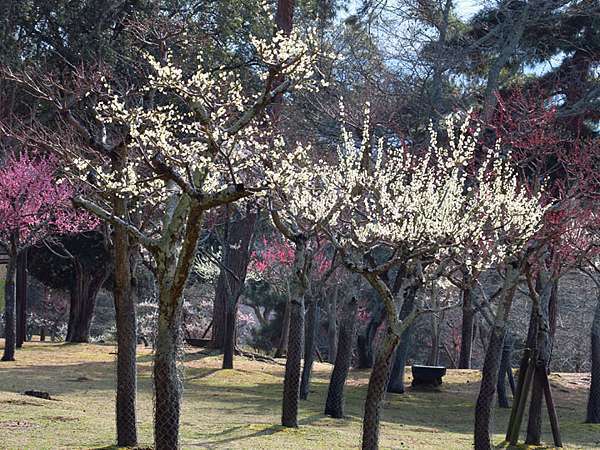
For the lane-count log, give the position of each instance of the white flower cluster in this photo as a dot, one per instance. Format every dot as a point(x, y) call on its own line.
point(445, 199)
point(206, 128)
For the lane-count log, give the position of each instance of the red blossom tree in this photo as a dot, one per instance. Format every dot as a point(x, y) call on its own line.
point(34, 204)
point(557, 161)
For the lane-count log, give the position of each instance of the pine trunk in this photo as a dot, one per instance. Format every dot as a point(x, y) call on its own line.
point(334, 405)
point(365, 340)
point(236, 257)
point(219, 319)
point(282, 347)
point(84, 292)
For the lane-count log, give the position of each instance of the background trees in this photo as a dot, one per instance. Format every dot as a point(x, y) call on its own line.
point(35, 204)
point(208, 120)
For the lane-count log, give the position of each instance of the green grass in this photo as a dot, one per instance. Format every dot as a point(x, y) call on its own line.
point(240, 408)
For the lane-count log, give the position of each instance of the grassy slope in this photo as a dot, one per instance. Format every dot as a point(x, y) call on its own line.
point(240, 408)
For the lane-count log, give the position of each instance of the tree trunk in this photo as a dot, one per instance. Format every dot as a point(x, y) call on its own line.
point(593, 406)
point(229, 344)
point(375, 392)
point(547, 289)
point(174, 258)
point(380, 374)
point(468, 322)
point(310, 337)
point(219, 319)
point(236, 257)
point(511, 41)
point(365, 340)
point(396, 381)
point(489, 376)
point(291, 382)
point(167, 382)
point(332, 333)
point(282, 347)
point(21, 298)
point(505, 367)
point(434, 353)
point(87, 284)
point(334, 405)
point(125, 318)
point(9, 305)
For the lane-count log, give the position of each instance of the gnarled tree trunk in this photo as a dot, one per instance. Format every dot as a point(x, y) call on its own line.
point(334, 405)
point(489, 378)
point(547, 290)
point(376, 389)
point(173, 267)
point(167, 383)
point(382, 365)
point(365, 340)
point(87, 283)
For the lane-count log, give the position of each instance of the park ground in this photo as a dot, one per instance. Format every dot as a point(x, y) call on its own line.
point(240, 408)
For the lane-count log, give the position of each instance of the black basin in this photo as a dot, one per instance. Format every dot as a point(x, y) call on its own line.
point(427, 376)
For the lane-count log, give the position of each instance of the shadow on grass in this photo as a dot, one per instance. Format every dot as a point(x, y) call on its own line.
point(266, 432)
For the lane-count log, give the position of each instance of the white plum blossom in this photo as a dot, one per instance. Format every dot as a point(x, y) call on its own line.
point(204, 129)
point(444, 199)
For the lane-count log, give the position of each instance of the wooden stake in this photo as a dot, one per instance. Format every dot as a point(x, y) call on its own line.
point(517, 395)
point(520, 407)
point(551, 409)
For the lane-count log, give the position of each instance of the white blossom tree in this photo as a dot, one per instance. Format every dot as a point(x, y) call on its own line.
point(171, 149)
point(383, 205)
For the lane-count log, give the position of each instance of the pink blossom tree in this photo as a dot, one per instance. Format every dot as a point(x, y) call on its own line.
point(34, 204)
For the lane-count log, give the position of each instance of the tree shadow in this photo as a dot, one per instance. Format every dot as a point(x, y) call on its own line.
point(273, 429)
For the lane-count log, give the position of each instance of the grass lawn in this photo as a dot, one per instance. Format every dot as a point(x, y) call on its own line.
point(240, 408)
